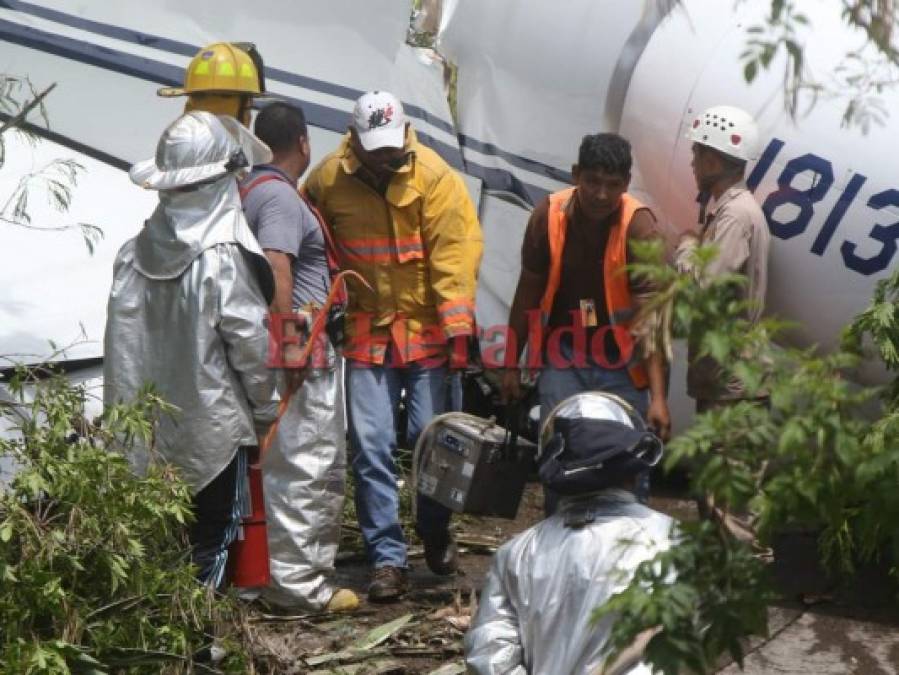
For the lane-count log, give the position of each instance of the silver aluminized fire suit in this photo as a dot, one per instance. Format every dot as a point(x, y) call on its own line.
point(534, 616)
point(304, 474)
point(304, 470)
point(189, 302)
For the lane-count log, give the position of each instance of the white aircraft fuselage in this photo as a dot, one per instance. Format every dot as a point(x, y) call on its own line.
point(534, 76)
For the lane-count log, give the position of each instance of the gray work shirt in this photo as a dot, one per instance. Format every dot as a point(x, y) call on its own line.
point(282, 221)
point(737, 226)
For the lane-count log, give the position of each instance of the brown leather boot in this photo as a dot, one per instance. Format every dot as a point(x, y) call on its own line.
point(387, 585)
point(441, 553)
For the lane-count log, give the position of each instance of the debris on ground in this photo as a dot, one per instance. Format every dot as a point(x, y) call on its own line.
point(424, 633)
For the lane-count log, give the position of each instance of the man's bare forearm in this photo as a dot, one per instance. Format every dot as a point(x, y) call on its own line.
point(282, 303)
point(655, 369)
point(527, 298)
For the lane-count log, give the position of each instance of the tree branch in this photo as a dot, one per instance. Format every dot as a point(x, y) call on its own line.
point(19, 117)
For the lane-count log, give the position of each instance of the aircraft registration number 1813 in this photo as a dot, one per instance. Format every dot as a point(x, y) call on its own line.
point(806, 199)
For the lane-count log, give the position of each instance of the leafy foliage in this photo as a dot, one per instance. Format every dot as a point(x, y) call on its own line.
point(880, 321)
point(14, 92)
point(764, 42)
point(56, 180)
point(704, 594)
point(94, 563)
point(806, 456)
point(877, 18)
point(862, 74)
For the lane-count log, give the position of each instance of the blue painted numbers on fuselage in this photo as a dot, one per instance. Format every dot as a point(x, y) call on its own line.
point(885, 234)
point(806, 200)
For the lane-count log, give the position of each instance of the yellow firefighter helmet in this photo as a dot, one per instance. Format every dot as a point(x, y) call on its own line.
point(221, 68)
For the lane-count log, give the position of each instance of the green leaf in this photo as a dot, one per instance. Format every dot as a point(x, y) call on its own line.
point(750, 70)
point(6, 530)
point(718, 345)
point(380, 634)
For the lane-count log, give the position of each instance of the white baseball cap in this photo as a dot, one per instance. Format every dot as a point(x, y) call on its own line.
point(379, 120)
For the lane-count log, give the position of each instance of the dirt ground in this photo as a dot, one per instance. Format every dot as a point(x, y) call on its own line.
point(440, 607)
point(849, 624)
point(428, 641)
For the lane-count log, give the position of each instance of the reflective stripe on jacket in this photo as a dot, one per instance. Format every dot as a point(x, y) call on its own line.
point(418, 246)
point(617, 285)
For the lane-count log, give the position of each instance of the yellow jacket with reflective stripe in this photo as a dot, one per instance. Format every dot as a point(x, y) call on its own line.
point(418, 246)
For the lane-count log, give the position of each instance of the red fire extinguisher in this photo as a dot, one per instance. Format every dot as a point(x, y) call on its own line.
point(248, 556)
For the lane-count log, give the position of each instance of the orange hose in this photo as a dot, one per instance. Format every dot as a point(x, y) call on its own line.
point(318, 325)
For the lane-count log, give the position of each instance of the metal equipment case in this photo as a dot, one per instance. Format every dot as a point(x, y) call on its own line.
point(469, 465)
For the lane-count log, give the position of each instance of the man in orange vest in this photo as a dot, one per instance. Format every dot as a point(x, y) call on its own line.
point(573, 276)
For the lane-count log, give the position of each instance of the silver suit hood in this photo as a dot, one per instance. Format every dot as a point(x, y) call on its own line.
point(185, 224)
point(198, 159)
point(188, 309)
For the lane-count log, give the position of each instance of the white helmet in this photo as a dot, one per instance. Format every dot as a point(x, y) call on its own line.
point(729, 130)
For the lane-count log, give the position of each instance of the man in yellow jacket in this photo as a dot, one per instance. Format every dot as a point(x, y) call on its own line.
point(402, 218)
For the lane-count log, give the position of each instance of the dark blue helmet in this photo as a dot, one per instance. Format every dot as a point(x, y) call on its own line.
point(593, 441)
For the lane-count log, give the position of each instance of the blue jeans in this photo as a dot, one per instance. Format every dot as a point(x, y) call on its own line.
point(557, 384)
point(373, 394)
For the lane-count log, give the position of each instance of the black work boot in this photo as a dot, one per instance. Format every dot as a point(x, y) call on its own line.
point(388, 584)
point(441, 553)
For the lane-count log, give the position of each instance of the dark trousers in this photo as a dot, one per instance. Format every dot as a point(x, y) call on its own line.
point(217, 519)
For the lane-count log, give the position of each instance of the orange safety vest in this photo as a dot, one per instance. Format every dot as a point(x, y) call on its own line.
point(617, 285)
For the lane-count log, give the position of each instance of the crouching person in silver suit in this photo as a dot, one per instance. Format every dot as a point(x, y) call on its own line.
point(535, 610)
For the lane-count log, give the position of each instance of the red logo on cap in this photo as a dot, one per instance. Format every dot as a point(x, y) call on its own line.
point(380, 117)
point(736, 139)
